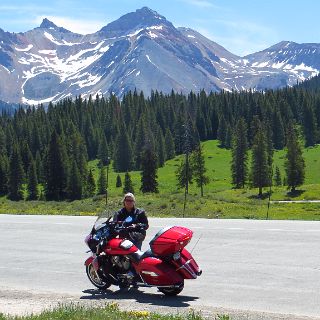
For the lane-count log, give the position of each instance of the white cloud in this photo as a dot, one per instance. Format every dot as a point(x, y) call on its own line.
point(238, 36)
point(199, 3)
point(82, 26)
point(239, 44)
point(246, 26)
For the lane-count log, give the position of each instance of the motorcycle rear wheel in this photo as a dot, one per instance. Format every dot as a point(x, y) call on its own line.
point(172, 291)
point(95, 279)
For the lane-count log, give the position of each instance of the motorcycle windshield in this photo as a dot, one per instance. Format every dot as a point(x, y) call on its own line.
point(102, 219)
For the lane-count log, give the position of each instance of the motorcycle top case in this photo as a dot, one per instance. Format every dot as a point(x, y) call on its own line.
point(170, 240)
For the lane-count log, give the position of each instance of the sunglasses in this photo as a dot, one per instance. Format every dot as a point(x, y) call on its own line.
point(128, 200)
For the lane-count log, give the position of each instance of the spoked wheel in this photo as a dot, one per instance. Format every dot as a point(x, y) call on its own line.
point(172, 291)
point(95, 279)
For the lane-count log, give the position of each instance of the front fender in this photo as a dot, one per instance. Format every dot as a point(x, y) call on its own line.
point(89, 261)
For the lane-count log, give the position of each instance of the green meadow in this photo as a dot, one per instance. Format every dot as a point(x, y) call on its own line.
point(220, 200)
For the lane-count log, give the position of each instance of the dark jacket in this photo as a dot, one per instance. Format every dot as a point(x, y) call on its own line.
point(139, 218)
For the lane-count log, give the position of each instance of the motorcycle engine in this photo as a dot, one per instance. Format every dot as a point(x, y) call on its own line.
point(121, 262)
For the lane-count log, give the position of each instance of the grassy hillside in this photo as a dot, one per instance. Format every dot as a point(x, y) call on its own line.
point(219, 201)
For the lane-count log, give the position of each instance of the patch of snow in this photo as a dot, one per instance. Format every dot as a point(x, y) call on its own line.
point(228, 62)
point(36, 102)
point(23, 60)
point(90, 81)
point(51, 38)
point(130, 72)
point(155, 27)
point(104, 49)
point(191, 36)
point(135, 33)
point(278, 65)
point(303, 67)
point(110, 64)
point(49, 52)
point(5, 68)
point(28, 48)
point(287, 67)
point(152, 35)
point(138, 73)
point(63, 43)
point(260, 65)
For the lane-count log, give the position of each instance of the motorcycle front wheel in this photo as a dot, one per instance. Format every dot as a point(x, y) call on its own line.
point(172, 291)
point(95, 279)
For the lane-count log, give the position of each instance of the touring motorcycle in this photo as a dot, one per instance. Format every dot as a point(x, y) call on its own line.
point(115, 260)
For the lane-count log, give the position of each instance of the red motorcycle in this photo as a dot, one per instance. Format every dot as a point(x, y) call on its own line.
point(116, 260)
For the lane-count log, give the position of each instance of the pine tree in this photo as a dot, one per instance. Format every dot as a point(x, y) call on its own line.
point(198, 168)
point(4, 167)
point(3, 148)
point(15, 176)
point(123, 152)
point(128, 186)
point(91, 185)
point(184, 172)
point(160, 149)
point(169, 145)
point(74, 188)
point(228, 138)
point(277, 177)
point(309, 125)
point(149, 171)
point(102, 181)
point(26, 156)
point(278, 131)
point(239, 166)
point(33, 192)
point(260, 171)
point(103, 151)
point(56, 171)
point(222, 131)
point(139, 143)
point(39, 168)
point(294, 163)
point(118, 182)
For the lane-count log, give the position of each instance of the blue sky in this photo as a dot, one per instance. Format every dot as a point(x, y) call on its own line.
point(241, 26)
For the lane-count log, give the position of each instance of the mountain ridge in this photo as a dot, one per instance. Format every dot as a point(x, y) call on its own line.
point(141, 50)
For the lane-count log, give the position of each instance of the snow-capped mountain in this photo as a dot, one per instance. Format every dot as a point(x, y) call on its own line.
point(140, 50)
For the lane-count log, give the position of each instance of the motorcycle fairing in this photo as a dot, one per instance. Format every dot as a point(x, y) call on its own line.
point(88, 261)
point(156, 272)
point(119, 246)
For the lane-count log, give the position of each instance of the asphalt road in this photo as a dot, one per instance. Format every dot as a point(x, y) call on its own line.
point(254, 266)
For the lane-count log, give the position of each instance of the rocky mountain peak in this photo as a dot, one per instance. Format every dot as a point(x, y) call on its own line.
point(141, 18)
point(47, 24)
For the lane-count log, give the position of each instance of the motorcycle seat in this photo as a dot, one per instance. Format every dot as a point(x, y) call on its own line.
point(139, 255)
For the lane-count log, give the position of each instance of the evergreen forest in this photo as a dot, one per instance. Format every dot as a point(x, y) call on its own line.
point(44, 151)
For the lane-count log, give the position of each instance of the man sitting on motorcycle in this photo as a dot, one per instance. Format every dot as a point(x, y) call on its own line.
point(139, 223)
